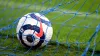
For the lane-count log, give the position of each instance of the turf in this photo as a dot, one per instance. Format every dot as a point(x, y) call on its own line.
point(69, 28)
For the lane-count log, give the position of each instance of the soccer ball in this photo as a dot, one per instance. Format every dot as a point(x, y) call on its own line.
point(34, 30)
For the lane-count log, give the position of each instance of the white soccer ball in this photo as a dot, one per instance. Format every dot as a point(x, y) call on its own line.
point(34, 30)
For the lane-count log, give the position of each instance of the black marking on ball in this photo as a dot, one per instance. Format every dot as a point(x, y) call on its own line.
point(48, 23)
point(31, 38)
point(22, 41)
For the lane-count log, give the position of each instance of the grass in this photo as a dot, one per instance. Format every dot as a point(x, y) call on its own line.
point(68, 28)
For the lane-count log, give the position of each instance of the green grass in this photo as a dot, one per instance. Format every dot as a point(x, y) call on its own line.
point(64, 29)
